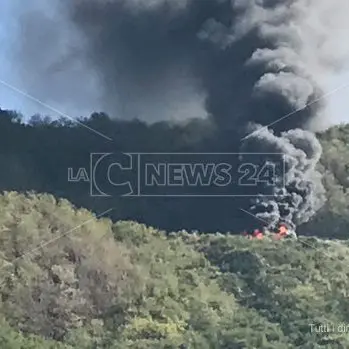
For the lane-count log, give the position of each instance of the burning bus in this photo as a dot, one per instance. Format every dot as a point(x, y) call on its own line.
point(280, 233)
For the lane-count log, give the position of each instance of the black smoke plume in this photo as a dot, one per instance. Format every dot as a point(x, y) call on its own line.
point(243, 55)
point(236, 62)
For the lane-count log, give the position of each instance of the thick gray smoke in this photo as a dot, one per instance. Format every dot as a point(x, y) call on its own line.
point(237, 61)
point(297, 192)
point(170, 59)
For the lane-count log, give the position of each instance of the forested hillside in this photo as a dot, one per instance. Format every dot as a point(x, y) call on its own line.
point(72, 280)
point(333, 219)
point(180, 195)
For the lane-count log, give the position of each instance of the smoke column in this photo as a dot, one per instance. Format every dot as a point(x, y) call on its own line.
point(298, 192)
point(174, 59)
point(238, 62)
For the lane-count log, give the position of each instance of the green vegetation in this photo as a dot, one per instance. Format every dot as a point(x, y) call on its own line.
point(72, 280)
point(333, 219)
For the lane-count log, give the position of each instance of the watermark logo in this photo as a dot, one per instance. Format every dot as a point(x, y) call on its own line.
point(328, 328)
point(181, 174)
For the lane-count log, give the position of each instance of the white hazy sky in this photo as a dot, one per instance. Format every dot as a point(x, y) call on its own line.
point(8, 99)
point(338, 103)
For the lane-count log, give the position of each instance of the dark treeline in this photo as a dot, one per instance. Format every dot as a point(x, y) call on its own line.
point(36, 156)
